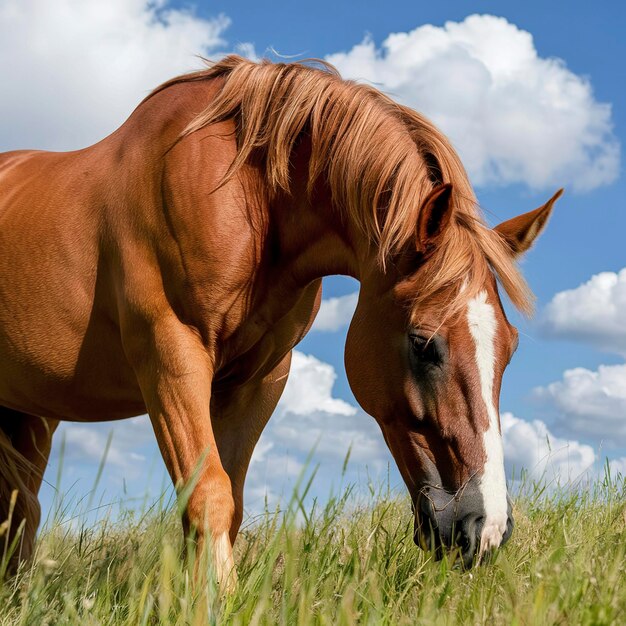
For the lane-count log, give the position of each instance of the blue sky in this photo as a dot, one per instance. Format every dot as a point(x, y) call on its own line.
point(550, 76)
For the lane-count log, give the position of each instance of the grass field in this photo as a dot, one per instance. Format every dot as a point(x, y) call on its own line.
point(346, 563)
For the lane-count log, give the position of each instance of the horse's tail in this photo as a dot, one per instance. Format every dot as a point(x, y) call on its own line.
point(19, 506)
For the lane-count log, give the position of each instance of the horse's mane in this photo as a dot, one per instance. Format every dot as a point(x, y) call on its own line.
point(380, 160)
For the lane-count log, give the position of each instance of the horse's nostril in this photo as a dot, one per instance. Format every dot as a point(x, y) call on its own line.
point(469, 537)
point(474, 525)
point(469, 528)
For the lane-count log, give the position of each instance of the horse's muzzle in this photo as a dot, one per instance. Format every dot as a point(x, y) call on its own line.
point(445, 522)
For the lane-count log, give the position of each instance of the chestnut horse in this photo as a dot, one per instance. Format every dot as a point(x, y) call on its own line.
point(172, 267)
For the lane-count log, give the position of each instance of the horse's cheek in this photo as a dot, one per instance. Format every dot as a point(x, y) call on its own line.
point(373, 364)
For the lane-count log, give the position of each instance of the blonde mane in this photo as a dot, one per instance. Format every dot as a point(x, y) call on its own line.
point(379, 159)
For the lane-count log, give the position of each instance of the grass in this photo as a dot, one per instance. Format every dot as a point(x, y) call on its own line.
point(344, 563)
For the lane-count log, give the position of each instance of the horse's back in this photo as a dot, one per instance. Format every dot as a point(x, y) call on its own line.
point(13, 165)
point(26, 179)
point(14, 157)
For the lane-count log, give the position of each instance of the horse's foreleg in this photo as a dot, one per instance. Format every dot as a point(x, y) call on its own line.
point(239, 417)
point(174, 372)
point(25, 442)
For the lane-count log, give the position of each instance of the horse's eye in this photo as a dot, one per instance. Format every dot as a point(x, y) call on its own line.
point(425, 349)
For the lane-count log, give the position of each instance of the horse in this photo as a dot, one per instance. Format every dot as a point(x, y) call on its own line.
point(172, 267)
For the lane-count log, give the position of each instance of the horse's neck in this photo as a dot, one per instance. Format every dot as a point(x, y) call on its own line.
point(268, 255)
point(309, 233)
point(315, 237)
point(303, 241)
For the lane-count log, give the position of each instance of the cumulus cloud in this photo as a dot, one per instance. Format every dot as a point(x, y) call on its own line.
point(73, 70)
point(309, 388)
point(590, 403)
point(514, 116)
point(617, 467)
point(309, 418)
point(335, 313)
point(594, 313)
point(86, 444)
point(530, 446)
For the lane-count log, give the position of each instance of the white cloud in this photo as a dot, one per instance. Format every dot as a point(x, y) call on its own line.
point(594, 312)
point(617, 467)
point(73, 70)
point(86, 444)
point(310, 419)
point(531, 446)
point(514, 116)
point(335, 313)
point(309, 388)
point(591, 403)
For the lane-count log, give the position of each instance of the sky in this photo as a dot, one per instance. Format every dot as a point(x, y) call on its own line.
point(531, 95)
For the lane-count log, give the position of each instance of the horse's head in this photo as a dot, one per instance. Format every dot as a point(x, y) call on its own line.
point(430, 374)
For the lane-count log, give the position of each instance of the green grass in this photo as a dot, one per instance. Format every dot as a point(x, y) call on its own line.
point(344, 563)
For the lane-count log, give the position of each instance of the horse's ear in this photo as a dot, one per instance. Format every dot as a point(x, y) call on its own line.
point(433, 218)
point(520, 232)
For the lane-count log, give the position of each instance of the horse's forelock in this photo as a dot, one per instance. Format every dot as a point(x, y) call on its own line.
point(466, 261)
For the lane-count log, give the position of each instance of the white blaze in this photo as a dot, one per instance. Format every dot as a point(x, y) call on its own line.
point(482, 324)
